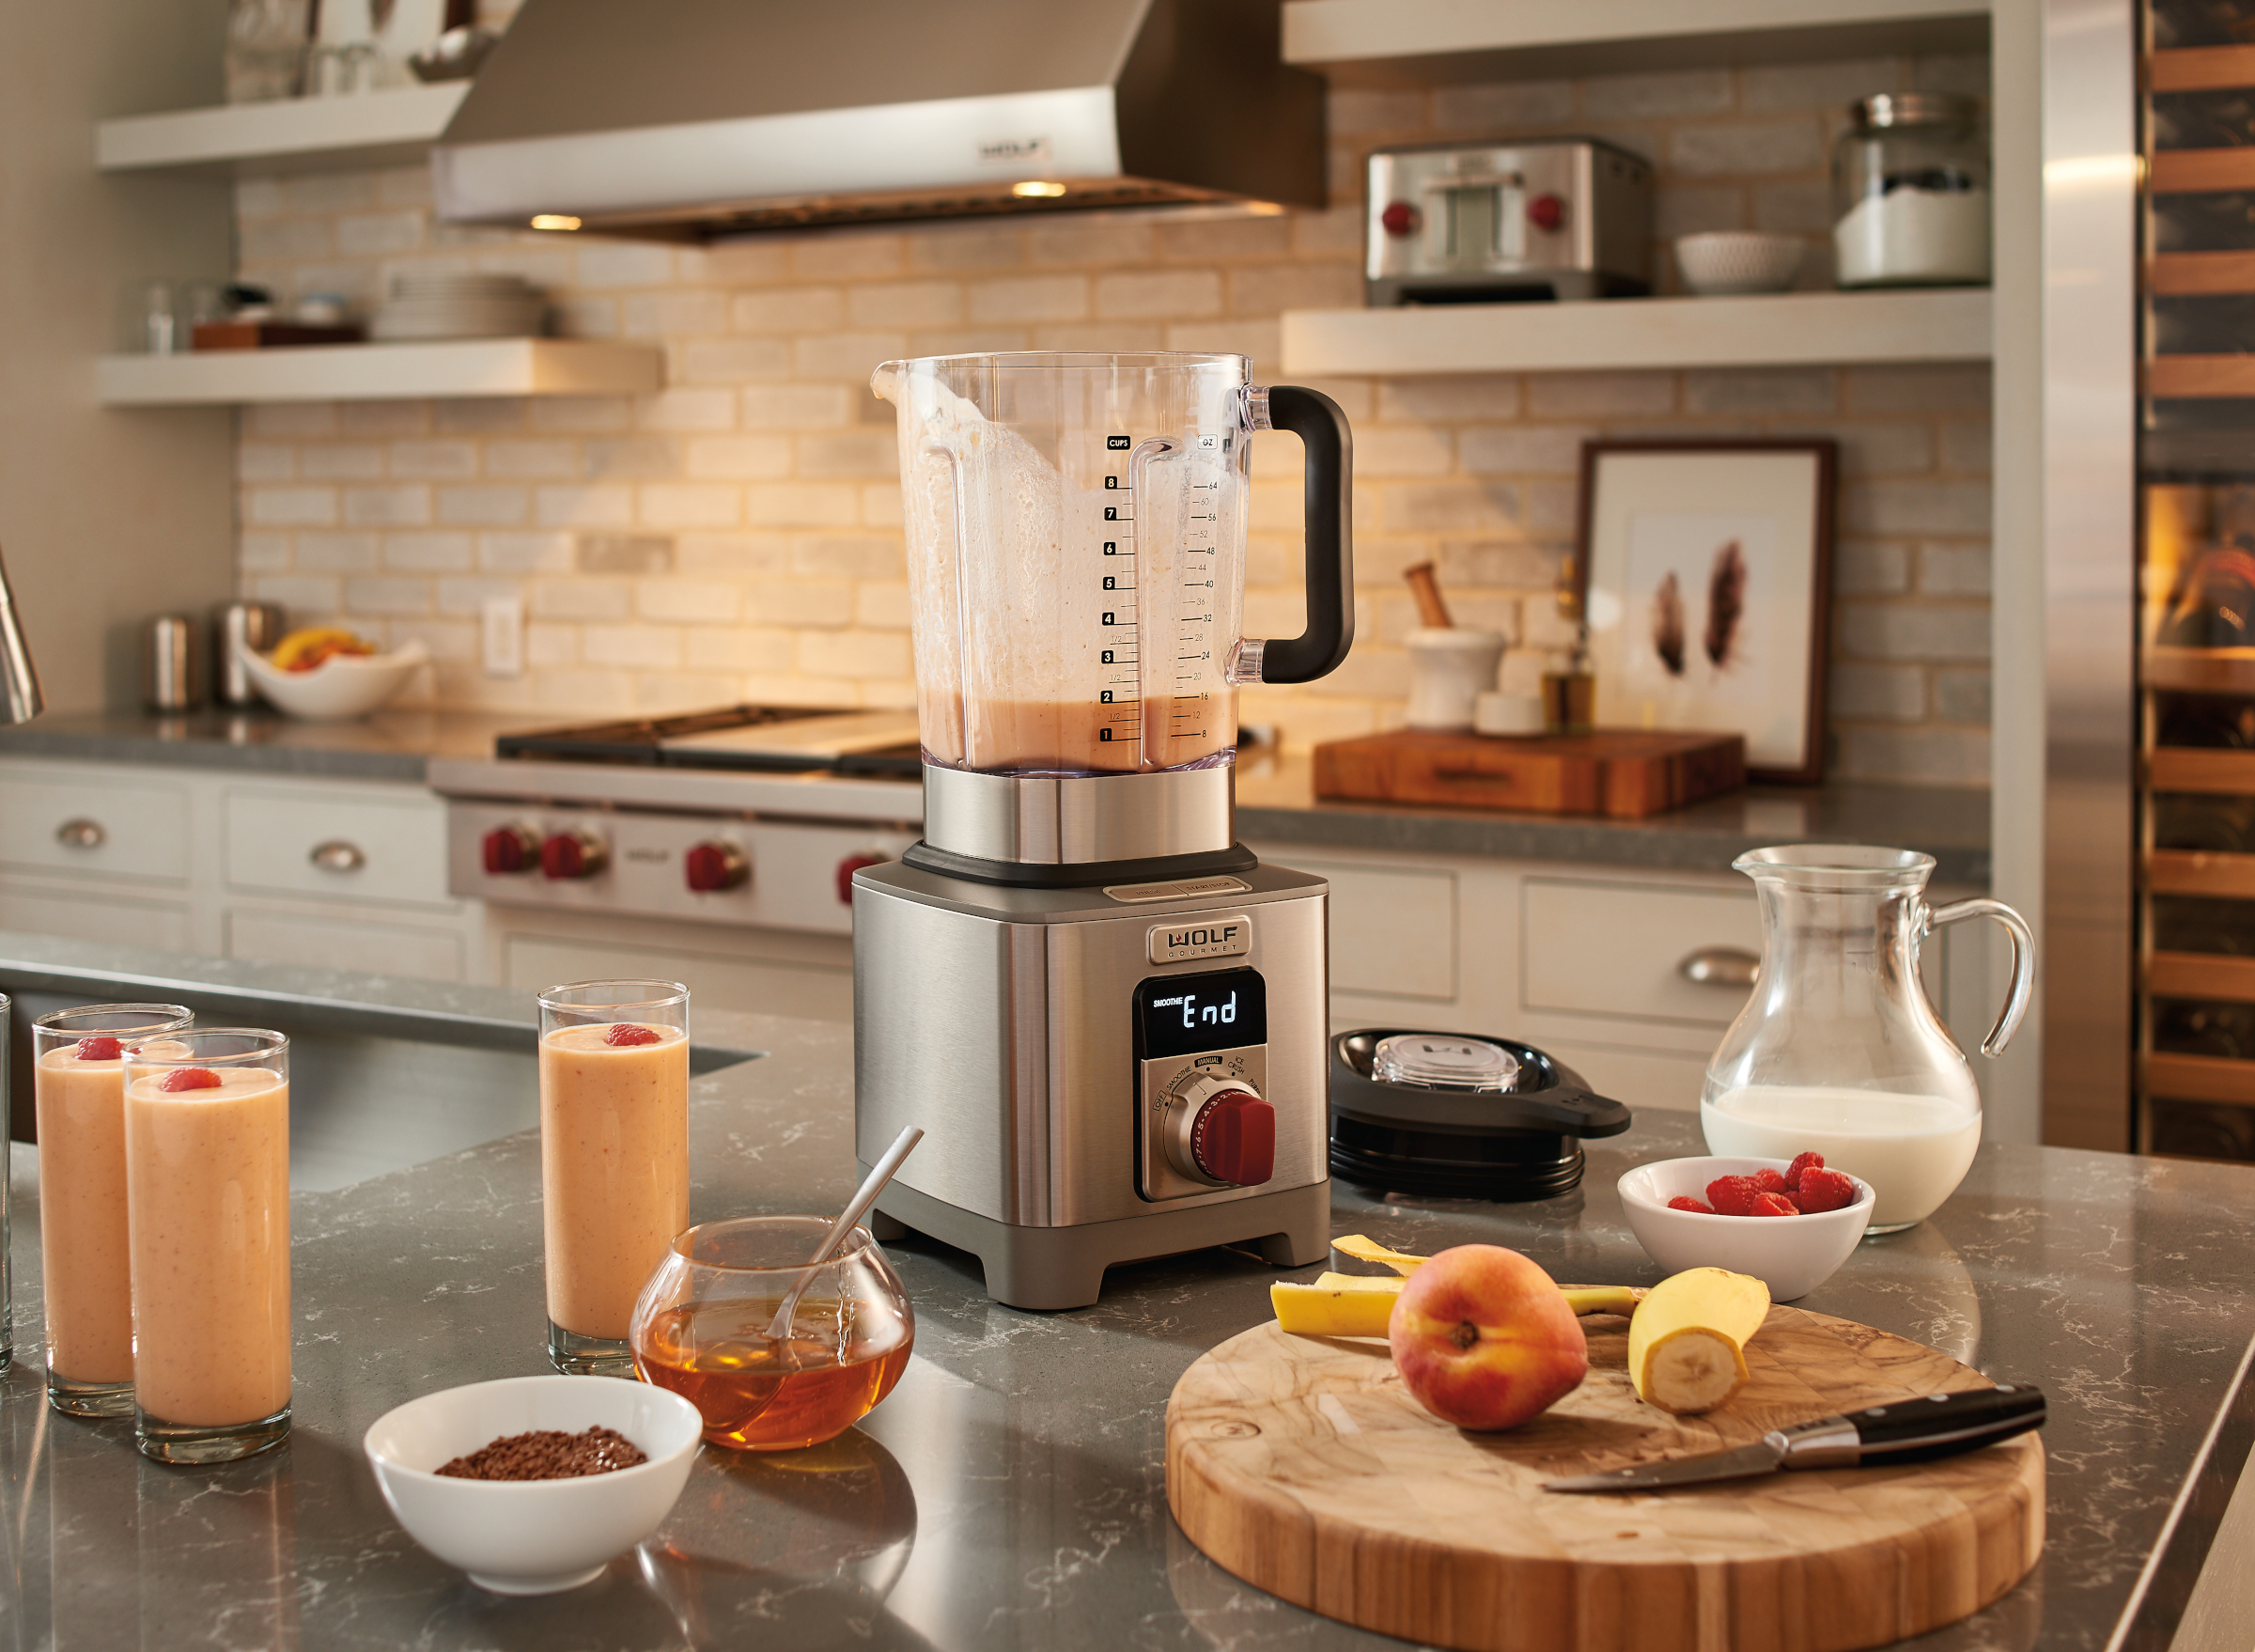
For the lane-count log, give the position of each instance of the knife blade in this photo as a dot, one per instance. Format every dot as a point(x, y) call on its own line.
point(1904, 1431)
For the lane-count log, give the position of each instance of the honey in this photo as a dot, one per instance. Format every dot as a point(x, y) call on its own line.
point(757, 1393)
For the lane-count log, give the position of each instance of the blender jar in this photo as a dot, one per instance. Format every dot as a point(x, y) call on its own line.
point(1076, 536)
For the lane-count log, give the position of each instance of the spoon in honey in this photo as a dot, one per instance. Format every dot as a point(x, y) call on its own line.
point(779, 1328)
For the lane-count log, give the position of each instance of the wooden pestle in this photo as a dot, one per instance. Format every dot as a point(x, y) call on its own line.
point(1431, 610)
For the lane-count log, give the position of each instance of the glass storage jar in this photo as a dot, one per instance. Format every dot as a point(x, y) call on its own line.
point(1910, 193)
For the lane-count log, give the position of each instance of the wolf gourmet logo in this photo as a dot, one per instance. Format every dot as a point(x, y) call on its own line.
point(1012, 152)
point(1225, 937)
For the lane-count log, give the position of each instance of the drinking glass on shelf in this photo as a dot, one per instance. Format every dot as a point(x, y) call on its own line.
point(701, 1329)
point(613, 1157)
point(207, 1174)
point(78, 1088)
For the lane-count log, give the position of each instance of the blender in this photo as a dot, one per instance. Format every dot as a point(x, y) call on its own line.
point(1107, 1016)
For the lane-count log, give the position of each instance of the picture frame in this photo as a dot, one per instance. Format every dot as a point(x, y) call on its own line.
point(1704, 572)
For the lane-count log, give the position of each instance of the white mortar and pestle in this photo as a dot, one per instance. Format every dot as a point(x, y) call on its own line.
point(1453, 670)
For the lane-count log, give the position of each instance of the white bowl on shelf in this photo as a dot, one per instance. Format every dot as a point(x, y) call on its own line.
point(532, 1536)
point(1792, 1254)
point(1720, 262)
point(341, 686)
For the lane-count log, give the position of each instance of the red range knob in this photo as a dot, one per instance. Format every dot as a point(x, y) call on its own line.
point(1547, 212)
point(715, 864)
point(849, 866)
point(1234, 1139)
point(1399, 219)
point(573, 854)
point(510, 848)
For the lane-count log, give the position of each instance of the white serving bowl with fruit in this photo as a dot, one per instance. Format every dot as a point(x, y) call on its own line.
point(325, 674)
point(1791, 1253)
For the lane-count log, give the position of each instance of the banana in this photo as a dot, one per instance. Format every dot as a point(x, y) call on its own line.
point(1366, 1249)
point(308, 646)
point(1686, 1342)
point(1355, 1305)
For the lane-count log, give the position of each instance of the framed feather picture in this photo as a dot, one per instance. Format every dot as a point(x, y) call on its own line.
point(1703, 571)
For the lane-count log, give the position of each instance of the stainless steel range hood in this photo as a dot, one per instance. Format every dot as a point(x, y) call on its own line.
point(693, 119)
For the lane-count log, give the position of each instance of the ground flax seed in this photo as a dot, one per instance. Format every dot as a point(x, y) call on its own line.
point(546, 1453)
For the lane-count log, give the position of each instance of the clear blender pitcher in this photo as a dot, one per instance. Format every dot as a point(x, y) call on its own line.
point(1838, 1051)
point(1076, 534)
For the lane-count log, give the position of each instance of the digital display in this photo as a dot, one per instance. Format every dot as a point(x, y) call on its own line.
point(1184, 1015)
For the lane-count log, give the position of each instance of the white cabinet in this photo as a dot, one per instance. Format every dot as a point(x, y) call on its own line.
point(337, 844)
point(96, 827)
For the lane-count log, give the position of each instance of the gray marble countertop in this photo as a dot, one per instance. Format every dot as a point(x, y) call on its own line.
point(384, 745)
point(1010, 1493)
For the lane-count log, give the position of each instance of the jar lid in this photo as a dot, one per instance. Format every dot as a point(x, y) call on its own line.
point(1435, 1061)
point(1885, 109)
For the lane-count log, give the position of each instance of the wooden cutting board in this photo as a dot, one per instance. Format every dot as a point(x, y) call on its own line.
point(1303, 1465)
point(1625, 773)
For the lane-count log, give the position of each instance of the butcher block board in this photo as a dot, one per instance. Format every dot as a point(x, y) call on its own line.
point(1303, 1465)
point(1625, 773)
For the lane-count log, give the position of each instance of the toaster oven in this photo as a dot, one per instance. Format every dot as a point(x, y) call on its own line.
point(1550, 218)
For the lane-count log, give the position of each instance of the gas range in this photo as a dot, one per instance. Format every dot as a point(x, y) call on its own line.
point(749, 814)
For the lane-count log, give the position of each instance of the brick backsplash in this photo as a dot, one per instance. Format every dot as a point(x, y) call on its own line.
point(737, 535)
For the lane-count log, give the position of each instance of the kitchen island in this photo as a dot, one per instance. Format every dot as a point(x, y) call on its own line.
point(1011, 1491)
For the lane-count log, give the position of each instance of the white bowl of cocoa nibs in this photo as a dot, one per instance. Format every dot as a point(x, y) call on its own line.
point(534, 1484)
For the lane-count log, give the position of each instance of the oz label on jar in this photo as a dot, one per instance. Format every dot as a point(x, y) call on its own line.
point(1223, 937)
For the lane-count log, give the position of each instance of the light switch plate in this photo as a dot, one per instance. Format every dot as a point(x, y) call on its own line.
point(503, 633)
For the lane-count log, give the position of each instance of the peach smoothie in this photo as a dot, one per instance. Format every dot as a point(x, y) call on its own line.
point(614, 1167)
point(81, 1107)
point(208, 1192)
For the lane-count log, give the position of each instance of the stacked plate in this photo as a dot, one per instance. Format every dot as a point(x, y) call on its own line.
point(438, 305)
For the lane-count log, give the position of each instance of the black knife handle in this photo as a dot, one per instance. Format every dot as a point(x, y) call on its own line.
point(1943, 1424)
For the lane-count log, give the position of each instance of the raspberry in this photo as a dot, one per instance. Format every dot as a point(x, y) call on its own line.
point(1770, 1181)
point(189, 1078)
point(1803, 1161)
point(625, 1033)
point(1825, 1189)
point(1772, 1205)
point(98, 1050)
point(1685, 1202)
point(1732, 1195)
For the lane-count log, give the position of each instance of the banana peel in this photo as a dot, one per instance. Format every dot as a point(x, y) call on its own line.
point(1686, 1344)
point(1355, 1305)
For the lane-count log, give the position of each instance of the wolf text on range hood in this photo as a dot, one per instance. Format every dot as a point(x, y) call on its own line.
point(699, 119)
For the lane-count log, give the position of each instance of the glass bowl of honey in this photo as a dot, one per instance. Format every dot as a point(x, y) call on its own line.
point(704, 1328)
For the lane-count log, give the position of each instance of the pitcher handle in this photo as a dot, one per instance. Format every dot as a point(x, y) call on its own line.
point(2024, 961)
point(1328, 507)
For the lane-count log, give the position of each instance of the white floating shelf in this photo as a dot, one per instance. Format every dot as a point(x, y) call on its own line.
point(1398, 42)
point(293, 135)
point(382, 372)
point(1772, 330)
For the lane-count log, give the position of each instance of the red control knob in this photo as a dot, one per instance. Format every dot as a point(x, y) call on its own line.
point(849, 866)
point(1399, 219)
point(1234, 1139)
point(715, 864)
point(573, 854)
point(510, 848)
point(1547, 212)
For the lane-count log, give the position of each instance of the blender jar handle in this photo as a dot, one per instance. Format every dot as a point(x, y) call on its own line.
point(1328, 508)
point(2024, 961)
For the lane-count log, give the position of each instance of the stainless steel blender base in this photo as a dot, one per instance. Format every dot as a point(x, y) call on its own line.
point(1053, 1268)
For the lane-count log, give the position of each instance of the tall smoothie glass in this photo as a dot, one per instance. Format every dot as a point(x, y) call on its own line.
point(207, 1180)
point(78, 1085)
point(7, 1294)
point(613, 1157)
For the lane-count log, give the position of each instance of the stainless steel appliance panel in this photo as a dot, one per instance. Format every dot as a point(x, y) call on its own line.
point(1073, 819)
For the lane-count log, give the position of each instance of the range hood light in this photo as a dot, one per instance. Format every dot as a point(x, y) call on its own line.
point(1265, 209)
point(554, 221)
point(1034, 190)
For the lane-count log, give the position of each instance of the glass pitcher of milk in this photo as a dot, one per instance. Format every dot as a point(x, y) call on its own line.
point(1838, 1051)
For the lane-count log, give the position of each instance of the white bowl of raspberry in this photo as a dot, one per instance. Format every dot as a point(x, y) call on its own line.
point(1791, 1250)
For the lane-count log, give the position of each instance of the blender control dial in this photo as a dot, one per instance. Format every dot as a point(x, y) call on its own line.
point(1220, 1131)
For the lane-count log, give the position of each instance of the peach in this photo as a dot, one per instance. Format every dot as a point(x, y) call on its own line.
point(1483, 1339)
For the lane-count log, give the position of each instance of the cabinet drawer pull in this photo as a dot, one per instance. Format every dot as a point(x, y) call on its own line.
point(1722, 966)
point(80, 833)
point(336, 856)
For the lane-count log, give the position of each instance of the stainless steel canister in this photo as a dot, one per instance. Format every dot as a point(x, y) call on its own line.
point(257, 626)
point(172, 663)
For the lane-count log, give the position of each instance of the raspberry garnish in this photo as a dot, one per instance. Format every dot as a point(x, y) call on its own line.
point(98, 1050)
point(189, 1078)
point(624, 1033)
point(1825, 1189)
point(1686, 1202)
point(1770, 1181)
point(1772, 1205)
point(1732, 1195)
point(1802, 1162)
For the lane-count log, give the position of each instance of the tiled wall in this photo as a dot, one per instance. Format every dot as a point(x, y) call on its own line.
point(737, 535)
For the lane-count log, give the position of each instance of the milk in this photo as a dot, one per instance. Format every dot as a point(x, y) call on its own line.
point(1913, 1149)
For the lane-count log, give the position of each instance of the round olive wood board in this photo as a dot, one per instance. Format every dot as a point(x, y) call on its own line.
point(1304, 1465)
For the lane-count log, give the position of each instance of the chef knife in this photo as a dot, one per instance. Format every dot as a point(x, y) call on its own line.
point(1905, 1431)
